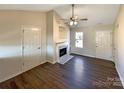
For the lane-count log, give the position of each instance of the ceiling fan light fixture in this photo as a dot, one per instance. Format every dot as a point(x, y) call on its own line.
point(75, 22)
point(74, 19)
point(71, 23)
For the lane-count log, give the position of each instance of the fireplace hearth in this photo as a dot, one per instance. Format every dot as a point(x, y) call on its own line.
point(62, 52)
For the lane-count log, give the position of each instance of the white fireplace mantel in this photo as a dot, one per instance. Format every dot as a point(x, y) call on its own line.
point(65, 57)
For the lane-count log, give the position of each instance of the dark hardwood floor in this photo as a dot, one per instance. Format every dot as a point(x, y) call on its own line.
point(78, 73)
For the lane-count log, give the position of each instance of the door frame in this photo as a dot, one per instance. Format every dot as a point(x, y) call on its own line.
point(22, 42)
point(111, 36)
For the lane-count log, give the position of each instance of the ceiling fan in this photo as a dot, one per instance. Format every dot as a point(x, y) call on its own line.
point(74, 20)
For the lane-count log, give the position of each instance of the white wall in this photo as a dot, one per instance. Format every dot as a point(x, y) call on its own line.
point(53, 35)
point(11, 36)
point(89, 48)
point(119, 43)
point(50, 42)
point(11, 23)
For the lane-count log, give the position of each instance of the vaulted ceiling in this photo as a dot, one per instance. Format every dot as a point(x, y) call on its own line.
point(30, 7)
point(96, 13)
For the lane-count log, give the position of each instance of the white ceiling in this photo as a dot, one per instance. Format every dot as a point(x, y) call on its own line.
point(30, 7)
point(96, 13)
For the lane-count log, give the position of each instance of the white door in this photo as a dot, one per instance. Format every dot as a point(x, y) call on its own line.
point(31, 47)
point(104, 45)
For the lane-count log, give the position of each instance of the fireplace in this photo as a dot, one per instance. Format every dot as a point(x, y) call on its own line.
point(62, 52)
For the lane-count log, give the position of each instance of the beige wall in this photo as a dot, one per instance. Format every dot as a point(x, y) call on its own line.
point(11, 23)
point(53, 34)
point(89, 48)
point(50, 42)
point(10, 39)
point(119, 43)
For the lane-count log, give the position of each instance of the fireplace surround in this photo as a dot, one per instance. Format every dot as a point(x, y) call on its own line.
point(63, 52)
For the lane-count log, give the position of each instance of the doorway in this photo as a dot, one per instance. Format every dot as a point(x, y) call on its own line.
point(31, 49)
point(104, 45)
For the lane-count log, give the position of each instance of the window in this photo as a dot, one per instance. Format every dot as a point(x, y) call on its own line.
point(79, 39)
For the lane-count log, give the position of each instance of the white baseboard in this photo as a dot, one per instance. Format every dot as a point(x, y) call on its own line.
point(44, 61)
point(9, 77)
point(16, 74)
point(52, 62)
point(84, 54)
point(87, 55)
point(122, 80)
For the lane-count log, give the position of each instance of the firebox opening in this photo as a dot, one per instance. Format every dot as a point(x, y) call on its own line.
point(62, 52)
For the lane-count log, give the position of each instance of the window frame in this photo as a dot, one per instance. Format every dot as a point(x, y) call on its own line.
point(80, 38)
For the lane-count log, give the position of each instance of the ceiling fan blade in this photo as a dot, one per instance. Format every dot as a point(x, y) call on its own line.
point(83, 19)
point(65, 19)
point(67, 23)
